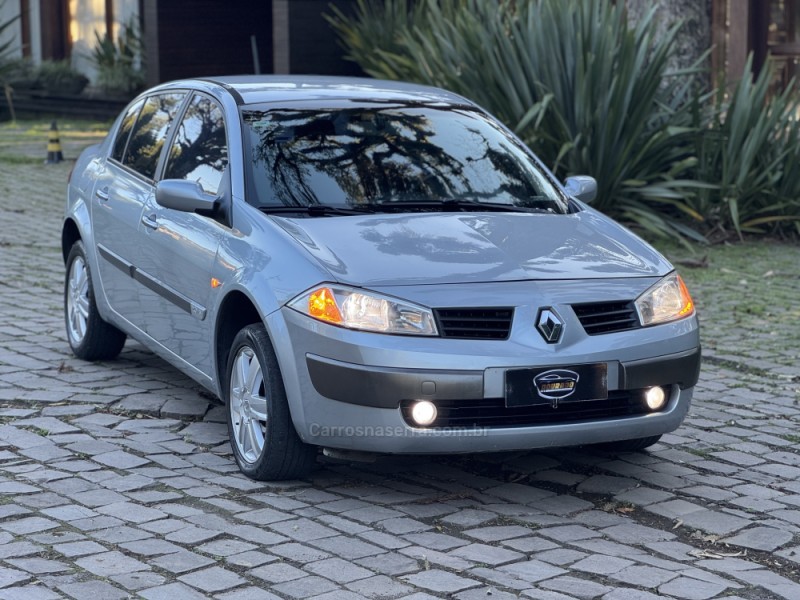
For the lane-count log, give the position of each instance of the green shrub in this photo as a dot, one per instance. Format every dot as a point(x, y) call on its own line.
point(118, 62)
point(58, 77)
point(750, 148)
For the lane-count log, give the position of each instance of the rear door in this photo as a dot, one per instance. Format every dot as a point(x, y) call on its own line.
point(125, 183)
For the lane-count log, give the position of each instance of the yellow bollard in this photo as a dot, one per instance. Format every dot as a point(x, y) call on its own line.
point(54, 154)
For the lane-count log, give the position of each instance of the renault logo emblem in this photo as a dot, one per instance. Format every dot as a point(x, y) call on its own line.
point(549, 325)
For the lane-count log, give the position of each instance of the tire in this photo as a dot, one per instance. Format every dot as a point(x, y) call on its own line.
point(263, 438)
point(633, 445)
point(89, 336)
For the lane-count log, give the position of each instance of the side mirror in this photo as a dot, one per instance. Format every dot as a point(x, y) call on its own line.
point(183, 195)
point(582, 187)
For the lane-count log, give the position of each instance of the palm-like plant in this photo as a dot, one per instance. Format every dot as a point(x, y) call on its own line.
point(750, 147)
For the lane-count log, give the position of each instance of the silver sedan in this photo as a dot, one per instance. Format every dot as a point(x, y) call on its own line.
point(370, 266)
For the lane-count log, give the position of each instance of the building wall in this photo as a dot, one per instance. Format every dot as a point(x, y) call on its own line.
point(215, 39)
point(314, 48)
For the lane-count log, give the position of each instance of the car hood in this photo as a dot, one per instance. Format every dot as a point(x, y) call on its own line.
point(426, 248)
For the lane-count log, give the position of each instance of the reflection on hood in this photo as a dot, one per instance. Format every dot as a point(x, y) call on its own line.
point(411, 249)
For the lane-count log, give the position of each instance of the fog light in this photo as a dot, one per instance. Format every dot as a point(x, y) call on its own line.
point(655, 398)
point(423, 413)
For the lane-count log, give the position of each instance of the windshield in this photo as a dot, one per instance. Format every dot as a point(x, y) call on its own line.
point(375, 157)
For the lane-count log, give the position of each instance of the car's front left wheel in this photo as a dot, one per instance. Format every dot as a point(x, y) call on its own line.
point(89, 336)
point(264, 442)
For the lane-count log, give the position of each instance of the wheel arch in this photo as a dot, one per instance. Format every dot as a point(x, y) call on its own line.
point(69, 235)
point(236, 311)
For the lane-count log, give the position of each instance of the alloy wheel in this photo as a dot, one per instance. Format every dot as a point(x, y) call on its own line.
point(77, 301)
point(248, 404)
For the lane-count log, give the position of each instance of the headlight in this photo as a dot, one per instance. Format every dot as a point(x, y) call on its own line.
point(668, 300)
point(367, 311)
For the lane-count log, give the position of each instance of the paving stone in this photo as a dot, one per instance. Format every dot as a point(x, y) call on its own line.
point(29, 592)
point(303, 530)
point(644, 576)
point(89, 590)
point(379, 586)
point(39, 566)
point(435, 541)
point(172, 591)
point(691, 589)
point(110, 563)
point(349, 548)
point(440, 581)
point(532, 570)
point(715, 522)
point(305, 587)
point(484, 553)
point(632, 594)
point(120, 459)
point(181, 562)
point(151, 547)
point(606, 484)
point(29, 525)
point(633, 533)
point(82, 548)
point(277, 573)
point(575, 587)
point(560, 556)
point(760, 538)
point(15, 549)
point(498, 533)
point(248, 593)
point(139, 580)
point(12, 576)
point(250, 559)
point(338, 570)
point(228, 547)
point(214, 579)
point(516, 492)
point(486, 593)
point(390, 563)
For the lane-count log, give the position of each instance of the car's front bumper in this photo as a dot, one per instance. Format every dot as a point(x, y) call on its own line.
point(348, 389)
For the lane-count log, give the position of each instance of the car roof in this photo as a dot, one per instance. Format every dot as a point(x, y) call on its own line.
point(259, 89)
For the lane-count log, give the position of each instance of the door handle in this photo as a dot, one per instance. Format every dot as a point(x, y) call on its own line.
point(150, 221)
point(102, 193)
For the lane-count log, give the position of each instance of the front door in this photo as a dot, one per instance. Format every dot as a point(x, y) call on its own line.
point(179, 249)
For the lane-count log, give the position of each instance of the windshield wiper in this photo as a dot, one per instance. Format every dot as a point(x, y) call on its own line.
point(315, 210)
point(452, 205)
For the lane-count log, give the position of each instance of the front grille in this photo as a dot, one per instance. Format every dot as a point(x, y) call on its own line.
point(492, 412)
point(607, 317)
point(474, 323)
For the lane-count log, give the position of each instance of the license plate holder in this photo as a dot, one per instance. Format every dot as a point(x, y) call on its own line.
point(556, 385)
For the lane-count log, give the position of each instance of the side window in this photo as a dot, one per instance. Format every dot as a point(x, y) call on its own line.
point(150, 131)
point(200, 151)
point(125, 131)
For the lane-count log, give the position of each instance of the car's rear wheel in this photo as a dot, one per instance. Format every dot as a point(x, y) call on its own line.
point(264, 441)
point(89, 336)
point(633, 445)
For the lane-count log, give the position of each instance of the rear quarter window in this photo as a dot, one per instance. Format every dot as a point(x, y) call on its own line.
point(150, 132)
point(124, 132)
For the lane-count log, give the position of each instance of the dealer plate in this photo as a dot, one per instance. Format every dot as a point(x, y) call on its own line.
point(556, 385)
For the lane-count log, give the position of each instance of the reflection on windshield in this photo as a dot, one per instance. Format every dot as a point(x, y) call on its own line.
point(363, 156)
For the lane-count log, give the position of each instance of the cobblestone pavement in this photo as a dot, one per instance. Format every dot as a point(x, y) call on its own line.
point(116, 479)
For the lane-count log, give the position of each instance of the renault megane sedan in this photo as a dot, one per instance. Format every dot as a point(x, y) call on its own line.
point(372, 266)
